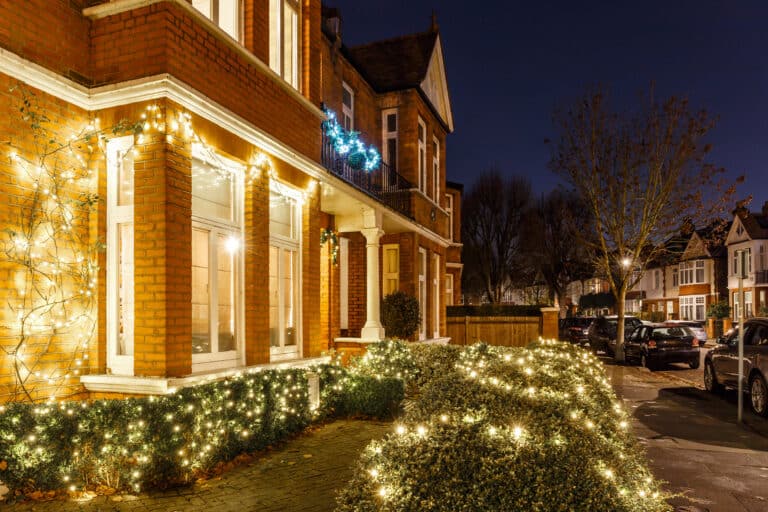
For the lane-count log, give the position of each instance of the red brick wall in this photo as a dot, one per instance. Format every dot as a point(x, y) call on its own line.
point(16, 189)
point(357, 280)
point(51, 33)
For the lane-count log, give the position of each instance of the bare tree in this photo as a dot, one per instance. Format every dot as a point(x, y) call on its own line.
point(640, 175)
point(557, 230)
point(493, 213)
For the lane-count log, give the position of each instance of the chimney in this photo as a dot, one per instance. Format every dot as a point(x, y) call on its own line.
point(433, 26)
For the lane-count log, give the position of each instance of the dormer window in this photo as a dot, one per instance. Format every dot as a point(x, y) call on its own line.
point(224, 13)
point(284, 40)
point(739, 230)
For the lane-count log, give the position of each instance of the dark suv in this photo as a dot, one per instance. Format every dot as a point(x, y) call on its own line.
point(575, 328)
point(602, 332)
point(721, 364)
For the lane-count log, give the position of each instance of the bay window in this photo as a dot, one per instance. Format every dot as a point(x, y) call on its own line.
point(284, 271)
point(120, 261)
point(217, 233)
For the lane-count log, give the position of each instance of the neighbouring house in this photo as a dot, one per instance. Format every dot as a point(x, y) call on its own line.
point(749, 232)
point(282, 185)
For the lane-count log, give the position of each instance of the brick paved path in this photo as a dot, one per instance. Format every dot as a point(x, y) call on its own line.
point(301, 476)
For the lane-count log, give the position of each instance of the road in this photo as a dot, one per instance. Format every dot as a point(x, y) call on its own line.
point(693, 441)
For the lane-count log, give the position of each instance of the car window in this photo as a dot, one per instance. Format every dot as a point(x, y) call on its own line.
point(758, 336)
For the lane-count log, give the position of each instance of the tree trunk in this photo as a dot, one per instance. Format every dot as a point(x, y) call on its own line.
point(619, 353)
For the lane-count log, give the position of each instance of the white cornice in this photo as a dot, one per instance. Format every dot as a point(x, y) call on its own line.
point(120, 6)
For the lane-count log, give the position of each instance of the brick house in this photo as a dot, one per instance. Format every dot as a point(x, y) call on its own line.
point(749, 232)
point(686, 279)
point(238, 234)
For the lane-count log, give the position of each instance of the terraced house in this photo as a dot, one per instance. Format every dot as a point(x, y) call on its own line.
point(243, 220)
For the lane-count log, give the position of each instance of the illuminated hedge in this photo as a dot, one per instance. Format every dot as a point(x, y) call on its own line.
point(534, 429)
point(161, 441)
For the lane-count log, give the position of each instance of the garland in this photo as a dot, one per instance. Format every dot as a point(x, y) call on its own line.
point(348, 144)
point(329, 234)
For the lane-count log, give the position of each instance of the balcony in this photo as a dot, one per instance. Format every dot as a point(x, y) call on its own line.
point(383, 184)
point(761, 277)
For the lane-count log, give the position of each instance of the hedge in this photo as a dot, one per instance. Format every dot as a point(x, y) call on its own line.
point(496, 428)
point(136, 443)
point(494, 310)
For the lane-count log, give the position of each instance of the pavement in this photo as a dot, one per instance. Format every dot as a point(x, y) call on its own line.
point(710, 463)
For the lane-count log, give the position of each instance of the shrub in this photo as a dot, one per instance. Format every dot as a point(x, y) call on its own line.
point(160, 441)
point(535, 428)
point(719, 309)
point(387, 358)
point(400, 315)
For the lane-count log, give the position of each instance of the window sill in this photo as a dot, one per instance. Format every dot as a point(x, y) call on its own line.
point(103, 383)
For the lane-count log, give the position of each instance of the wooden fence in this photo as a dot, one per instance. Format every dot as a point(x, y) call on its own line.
point(505, 331)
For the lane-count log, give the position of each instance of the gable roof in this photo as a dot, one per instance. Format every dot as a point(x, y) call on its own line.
point(414, 61)
point(754, 225)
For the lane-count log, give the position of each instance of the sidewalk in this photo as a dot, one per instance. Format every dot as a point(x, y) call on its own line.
point(694, 443)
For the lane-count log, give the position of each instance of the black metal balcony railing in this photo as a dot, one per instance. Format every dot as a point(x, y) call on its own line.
point(384, 184)
point(761, 277)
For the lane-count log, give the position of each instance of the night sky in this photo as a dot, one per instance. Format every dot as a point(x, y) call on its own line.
point(510, 64)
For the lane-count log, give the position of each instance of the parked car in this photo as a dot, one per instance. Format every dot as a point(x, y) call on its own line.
point(658, 344)
point(721, 364)
point(575, 328)
point(602, 332)
point(697, 327)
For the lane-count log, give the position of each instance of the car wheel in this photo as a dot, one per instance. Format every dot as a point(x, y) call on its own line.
point(695, 363)
point(759, 395)
point(710, 379)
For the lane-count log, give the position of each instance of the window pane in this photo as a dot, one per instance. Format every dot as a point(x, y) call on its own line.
point(289, 296)
point(281, 215)
point(229, 17)
point(125, 175)
point(392, 153)
point(204, 6)
point(421, 132)
point(212, 191)
point(226, 300)
point(290, 45)
point(274, 334)
point(201, 334)
point(275, 35)
point(391, 122)
point(346, 97)
point(125, 289)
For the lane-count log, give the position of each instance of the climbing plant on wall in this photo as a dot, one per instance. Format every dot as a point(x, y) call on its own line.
point(49, 248)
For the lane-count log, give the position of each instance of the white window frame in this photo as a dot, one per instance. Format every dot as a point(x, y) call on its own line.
point(693, 307)
point(748, 300)
point(762, 257)
point(348, 111)
point(343, 283)
point(214, 10)
point(277, 57)
point(421, 136)
point(656, 279)
point(422, 268)
point(283, 352)
point(436, 295)
point(448, 289)
point(449, 211)
point(216, 360)
point(675, 278)
point(118, 364)
point(388, 136)
point(389, 275)
point(436, 168)
point(689, 272)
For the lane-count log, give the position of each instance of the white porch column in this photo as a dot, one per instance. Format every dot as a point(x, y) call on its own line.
point(372, 330)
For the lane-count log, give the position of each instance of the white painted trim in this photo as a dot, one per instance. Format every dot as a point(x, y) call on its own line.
point(454, 265)
point(167, 86)
point(167, 385)
point(119, 6)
